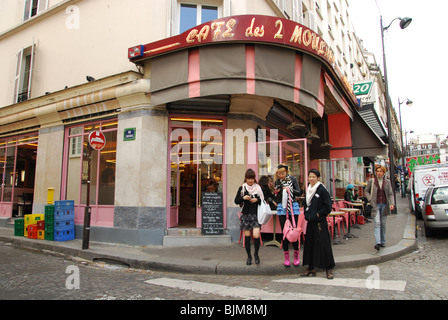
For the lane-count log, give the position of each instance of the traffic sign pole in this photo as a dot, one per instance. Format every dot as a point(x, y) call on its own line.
point(87, 210)
point(97, 141)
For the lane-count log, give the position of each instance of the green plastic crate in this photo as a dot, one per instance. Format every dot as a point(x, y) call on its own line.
point(19, 225)
point(49, 235)
point(49, 212)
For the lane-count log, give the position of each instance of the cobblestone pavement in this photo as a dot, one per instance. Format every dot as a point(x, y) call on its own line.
point(28, 275)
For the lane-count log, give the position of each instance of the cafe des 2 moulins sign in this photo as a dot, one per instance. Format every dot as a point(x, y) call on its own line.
point(244, 28)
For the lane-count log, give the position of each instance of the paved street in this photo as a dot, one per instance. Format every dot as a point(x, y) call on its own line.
point(26, 274)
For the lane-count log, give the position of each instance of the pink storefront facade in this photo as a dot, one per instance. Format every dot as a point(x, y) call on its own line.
point(208, 104)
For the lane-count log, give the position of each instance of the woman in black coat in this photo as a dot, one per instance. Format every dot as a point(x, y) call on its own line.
point(250, 195)
point(317, 251)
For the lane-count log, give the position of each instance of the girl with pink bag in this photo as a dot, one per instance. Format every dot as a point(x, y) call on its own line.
point(284, 181)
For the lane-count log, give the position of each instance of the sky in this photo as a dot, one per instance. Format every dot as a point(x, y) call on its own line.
point(415, 57)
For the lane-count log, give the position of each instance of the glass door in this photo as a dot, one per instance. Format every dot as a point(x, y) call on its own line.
point(196, 167)
point(18, 169)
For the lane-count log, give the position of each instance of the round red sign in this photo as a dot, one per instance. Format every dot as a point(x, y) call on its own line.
point(97, 140)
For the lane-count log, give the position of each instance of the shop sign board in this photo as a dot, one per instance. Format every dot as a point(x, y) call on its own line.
point(364, 91)
point(247, 28)
point(362, 88)
point(212, 213)
point(244, 29)
point(412, 162)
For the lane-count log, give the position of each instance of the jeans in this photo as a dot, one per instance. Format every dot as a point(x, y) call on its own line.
point(380, 230)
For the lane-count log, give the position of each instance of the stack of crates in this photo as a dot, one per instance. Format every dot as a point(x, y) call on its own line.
point(49, 222)
point(64, 220)
point(30, 225)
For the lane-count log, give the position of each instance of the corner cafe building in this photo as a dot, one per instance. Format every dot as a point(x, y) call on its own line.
point(180, 135)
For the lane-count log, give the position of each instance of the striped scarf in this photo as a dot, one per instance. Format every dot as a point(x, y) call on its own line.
point(287, 183)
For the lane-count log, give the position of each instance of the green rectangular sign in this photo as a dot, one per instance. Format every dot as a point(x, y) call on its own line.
point(129, 134)
point(362, 88)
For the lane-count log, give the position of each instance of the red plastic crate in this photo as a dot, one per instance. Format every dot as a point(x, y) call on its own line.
point(41, 225)
point(32, 231)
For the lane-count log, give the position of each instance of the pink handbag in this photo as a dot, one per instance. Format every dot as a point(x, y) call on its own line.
point(290, 229)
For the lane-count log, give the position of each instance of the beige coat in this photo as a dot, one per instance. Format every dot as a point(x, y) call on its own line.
point(371, 192)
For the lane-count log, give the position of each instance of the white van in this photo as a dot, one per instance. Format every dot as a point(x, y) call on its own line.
point(423, 177)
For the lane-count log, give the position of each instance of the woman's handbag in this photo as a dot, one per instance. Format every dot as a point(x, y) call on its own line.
point(290, 230)
point(264, 212)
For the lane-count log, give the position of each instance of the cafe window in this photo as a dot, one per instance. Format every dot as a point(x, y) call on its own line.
point(102, 178)
point(17, 168)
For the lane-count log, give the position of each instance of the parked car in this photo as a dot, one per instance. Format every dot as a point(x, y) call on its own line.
point(435, 208)
point(422, 178)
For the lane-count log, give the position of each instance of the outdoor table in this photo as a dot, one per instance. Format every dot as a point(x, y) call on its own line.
point(358, 205)
point(274, 241)
point(349, 210)
point(334, 214)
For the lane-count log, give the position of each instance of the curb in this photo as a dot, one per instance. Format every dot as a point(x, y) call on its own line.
point(406, 245)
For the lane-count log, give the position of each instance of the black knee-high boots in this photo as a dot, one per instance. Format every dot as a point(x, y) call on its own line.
point(247, 246)
point(256, 246)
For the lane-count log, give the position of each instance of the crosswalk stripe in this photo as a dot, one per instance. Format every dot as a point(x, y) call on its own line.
point(395, 285)
point(234, 292)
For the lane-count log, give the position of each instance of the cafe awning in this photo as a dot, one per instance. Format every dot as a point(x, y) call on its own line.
point(248, 54)
point(370, 116)
point(365, 140)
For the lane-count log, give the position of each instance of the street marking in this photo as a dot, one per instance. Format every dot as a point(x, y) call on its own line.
point(234, 292)
point(395, 285)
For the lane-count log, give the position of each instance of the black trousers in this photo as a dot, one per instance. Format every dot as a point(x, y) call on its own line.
point(282, 219)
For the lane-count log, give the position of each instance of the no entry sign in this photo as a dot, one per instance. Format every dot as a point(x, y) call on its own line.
point(97, 140)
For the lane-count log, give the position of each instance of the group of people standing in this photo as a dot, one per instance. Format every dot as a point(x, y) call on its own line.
point(317, 205)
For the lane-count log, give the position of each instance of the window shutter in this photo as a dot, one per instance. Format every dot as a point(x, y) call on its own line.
point(31, 70)
point(42, 6)
point(27, 10)
point(18, 73)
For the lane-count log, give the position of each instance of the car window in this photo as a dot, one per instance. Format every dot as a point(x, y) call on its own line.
point(440, 196)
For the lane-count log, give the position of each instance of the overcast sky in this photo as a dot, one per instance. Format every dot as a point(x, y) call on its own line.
point(416, 57)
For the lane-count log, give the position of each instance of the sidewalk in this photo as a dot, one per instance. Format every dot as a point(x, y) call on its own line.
point(231, 259)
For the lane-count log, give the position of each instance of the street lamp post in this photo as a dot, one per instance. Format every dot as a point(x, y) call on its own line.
point(403, 178)
point(404, 23)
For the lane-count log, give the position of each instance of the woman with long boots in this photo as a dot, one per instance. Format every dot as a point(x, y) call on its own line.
point(250, 195)
point(285, 181)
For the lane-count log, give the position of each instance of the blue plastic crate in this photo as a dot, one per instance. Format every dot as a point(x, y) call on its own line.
point(64, 215)
point(64, 235)
point(64, 224)
point(63, 205)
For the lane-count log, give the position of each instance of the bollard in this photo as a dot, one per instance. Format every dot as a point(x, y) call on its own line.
point(50, 196)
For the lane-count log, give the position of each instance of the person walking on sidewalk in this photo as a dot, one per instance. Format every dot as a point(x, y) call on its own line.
point(317, 251)
point(250, 195)
point(380, 194)
point(285, 181)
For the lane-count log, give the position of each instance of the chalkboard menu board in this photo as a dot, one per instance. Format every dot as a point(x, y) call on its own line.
point(212, 215)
